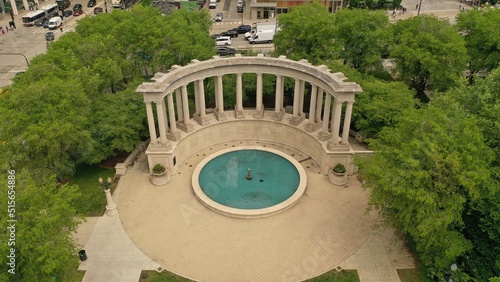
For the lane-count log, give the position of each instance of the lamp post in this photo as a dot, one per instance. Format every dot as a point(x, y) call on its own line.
point(453, 268)
point(110, 205)
point(419, 5)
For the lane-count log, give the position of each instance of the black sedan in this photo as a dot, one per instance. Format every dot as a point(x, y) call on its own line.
point(224, 51)
point(243, 29)
point(97, 10)
point(67, 13)
point(231, 33)
point(91, 3)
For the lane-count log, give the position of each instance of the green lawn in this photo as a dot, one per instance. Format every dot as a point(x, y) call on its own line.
point(93, 200)
point(413, 275)
point(72, 274)
point(336, 276)
point(331, 276)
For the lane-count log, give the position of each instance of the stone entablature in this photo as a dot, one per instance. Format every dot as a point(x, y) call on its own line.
point(322, 124)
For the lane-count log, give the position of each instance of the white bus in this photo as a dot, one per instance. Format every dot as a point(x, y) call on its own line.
point(30, 18)
point(50, 10)
point(47, 11)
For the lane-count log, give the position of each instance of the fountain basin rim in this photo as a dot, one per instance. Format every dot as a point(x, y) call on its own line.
point(249, 213)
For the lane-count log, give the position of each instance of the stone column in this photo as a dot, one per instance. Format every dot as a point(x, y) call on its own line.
point(324, 134)
point(259, 111)
point(301, 97)
point(297, 114)
point(162, 118)
point(319, 104)
point(196, 99)
point(347, 123)
point(219, 112)
point(173, 133)
point(201, 115)
point(151, 123)
point(178, 101)
point(311, 124)
point(238, 112)
point(278, 107)
point(186, 124)
point(337, 112)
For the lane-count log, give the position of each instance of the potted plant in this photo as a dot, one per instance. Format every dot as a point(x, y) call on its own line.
point(159, 175)
point(338, 175)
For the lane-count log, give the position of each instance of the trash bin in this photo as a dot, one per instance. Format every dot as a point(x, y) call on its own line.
point(83, 255)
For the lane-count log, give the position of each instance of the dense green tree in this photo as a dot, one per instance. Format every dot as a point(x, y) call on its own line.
point(361, 36)
point(429, 54)
point(483, 223)
point(424, 173)
point(481, 31)
point(45, 126)
point(307, 32)
point(44, 222)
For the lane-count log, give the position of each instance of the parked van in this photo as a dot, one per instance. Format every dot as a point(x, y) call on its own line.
point(223, 41)
point(265, 36)
point(212, 4)
point(55, 22)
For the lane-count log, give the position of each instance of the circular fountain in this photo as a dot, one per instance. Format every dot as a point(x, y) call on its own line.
point(249, 182)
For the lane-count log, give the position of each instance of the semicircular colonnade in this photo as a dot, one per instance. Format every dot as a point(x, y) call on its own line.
point(177, 135)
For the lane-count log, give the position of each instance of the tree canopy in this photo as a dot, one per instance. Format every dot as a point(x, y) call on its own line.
point(421, 178)
point(481, 31)
point(429, 54)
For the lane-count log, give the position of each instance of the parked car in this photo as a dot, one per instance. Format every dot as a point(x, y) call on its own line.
point(218, 17)
point(67, 13)
point(212, 4)
point(97, 10)
point(223, 41)
point(45, 23)
point(91, 3)
point(77, 7)
point(224, 51)
point(243, 29)
point(239, 9)
point(231, 33)
point(76, 13)
point(49, 36)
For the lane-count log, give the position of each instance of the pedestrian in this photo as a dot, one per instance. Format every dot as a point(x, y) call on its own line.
point(12, 25)
point(7, 28)
point(394, 14)
point(60, 28)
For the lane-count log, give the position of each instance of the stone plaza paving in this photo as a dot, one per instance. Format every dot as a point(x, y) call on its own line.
point(168, 227)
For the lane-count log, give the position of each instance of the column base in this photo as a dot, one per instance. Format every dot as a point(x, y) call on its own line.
point(111, 210)
point(337, 146)
point(173, 135)
point(278, 116)
point(239, 114)
point(296, 120)
point(158, 146)
point(201, 120)
point(185, 126)
point(312, 126)
point(220, 115)
point(259, 114)
point(324, 135)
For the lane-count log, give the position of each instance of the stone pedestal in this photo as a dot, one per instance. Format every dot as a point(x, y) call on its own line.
point(187, 127)
point(201, 120)
point(173, 135)
point(298, 119)
point(220, 116)
point(159, 179)
point(110, 205)
point(312, 126)
point(324, 135)
point(259, 114)
point(338, 179)
point(239, 114)
point(278, 116)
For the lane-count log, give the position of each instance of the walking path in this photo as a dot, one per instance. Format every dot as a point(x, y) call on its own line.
point(328, 228)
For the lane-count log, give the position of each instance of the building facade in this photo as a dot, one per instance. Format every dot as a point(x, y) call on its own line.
point(268, 9)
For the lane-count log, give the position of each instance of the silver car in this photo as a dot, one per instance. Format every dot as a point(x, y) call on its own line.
point(218, 17)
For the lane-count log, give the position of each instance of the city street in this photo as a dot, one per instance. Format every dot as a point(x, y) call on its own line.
point(30, 41)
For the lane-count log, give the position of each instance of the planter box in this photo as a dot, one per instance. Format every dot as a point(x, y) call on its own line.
point(159, 179)
point(338, 179)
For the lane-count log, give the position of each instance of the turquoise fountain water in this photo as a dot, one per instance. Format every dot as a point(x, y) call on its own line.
point(225, 179)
